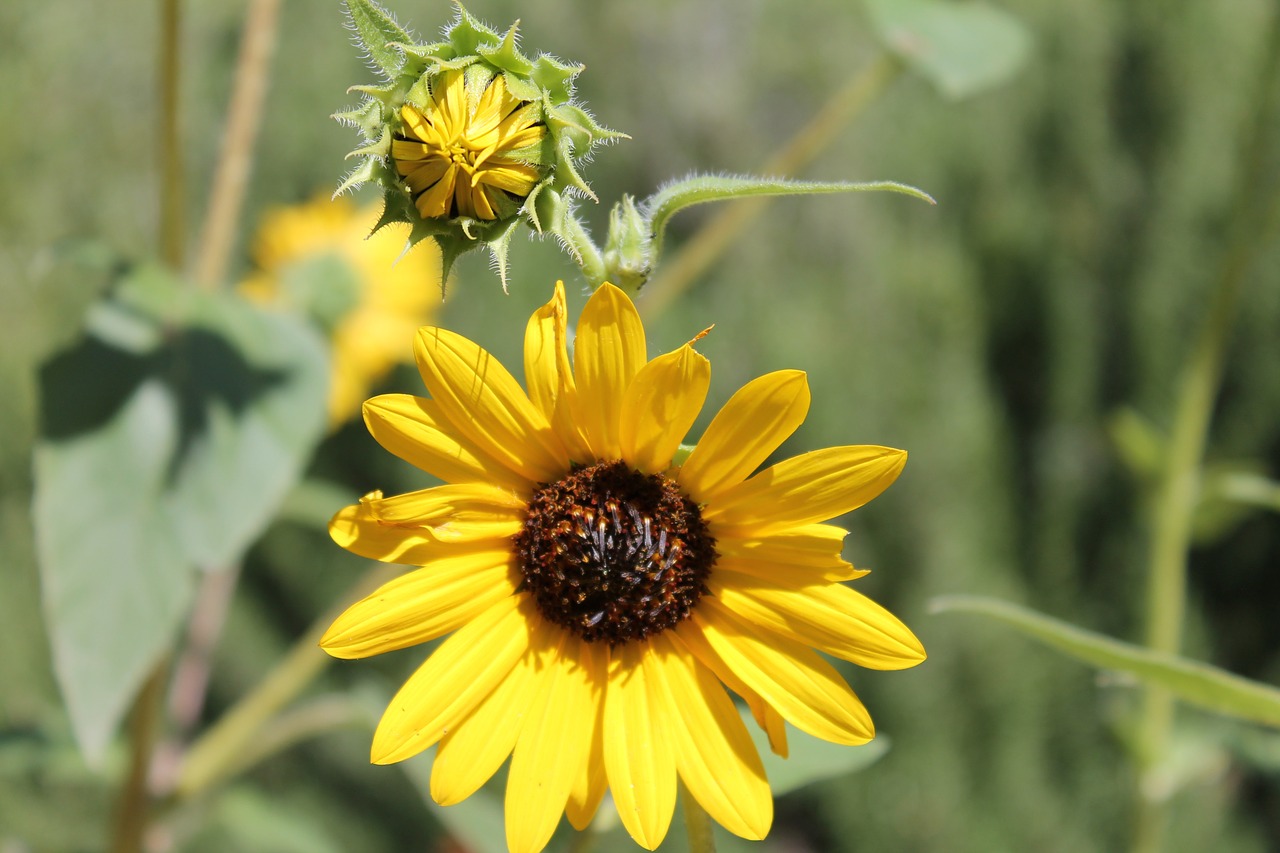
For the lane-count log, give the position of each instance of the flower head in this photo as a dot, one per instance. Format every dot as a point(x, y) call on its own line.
point(602, 587)
point(319, 257)
point(467, 136)
point(460, 155)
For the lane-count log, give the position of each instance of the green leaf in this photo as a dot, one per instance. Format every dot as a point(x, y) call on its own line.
point(700, 189)
point(810, 759)
point(170, 433)
point(1194, 682)
point(961, 47)
point(378, 32)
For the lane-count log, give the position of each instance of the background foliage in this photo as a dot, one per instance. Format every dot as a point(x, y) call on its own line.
point(1005, 338)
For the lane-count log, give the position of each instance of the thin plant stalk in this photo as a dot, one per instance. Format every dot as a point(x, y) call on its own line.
point(172, 224)
point(693, 259)
point(697, 823)
point(235, 161)
point(133, 806)
point(1180, 487)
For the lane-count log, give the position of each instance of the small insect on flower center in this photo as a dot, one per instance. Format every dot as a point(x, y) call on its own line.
point(614, 555)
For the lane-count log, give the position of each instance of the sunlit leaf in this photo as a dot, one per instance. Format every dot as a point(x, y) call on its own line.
point(1195, 683)
point(169, 435)
point(961, 47)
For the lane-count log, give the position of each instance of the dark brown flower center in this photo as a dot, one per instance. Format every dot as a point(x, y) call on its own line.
point(614, 555)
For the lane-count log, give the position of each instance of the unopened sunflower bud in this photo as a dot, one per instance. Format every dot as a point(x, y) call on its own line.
point(467, 136)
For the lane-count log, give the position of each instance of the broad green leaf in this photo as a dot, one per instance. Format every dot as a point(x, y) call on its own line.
point(170, 433)
point(810, 759)
point(377, 32)
point(961, 47)
point(1195, 683)
point(700, 189)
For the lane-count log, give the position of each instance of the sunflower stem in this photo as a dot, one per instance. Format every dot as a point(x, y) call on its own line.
point(236, 159)
point(134, 805)
point(172, 226)
point(697, 823)
point(219, 751)
point(584, 249)
point(1179, 491)
point(717, 235)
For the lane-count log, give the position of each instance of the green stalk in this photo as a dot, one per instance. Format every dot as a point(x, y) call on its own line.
point(235, 161)
point(172, 226)
point(1180, 487)
point(580, 242)
point(697, 823)
point(134, 805)
point(693, 259)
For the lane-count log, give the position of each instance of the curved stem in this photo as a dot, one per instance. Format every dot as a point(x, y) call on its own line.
point(591, 261)
point(675, 275)
point(697, 823)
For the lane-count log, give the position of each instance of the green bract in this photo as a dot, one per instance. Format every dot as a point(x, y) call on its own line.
point(449, 101)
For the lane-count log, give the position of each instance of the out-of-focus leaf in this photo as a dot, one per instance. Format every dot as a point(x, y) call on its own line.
point(961, 47)
point(810, 759)
point(476, 822)
point(1231, 492)
point(169, 435)
point(1194, 682)
point(1140, 445)
point(313, 502)
point(247, 818)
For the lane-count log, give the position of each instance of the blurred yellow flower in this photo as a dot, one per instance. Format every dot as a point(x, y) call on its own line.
point(602, 595)
point(460, 154)
point(319, 257)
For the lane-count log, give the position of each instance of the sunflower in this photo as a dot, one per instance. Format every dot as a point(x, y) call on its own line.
point(461, 154)
point(364, 289)
point(603, 587)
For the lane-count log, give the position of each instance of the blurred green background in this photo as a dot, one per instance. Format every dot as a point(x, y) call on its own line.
point(1083, 219)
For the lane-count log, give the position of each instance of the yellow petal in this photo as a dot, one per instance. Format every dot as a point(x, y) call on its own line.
point(590, 786)
point(810, 487)
point(715, 756)
point(660, 405)
point(753, 424)
point(808, 547)
point(455, 679)
point(416, 430)
point(423, 175)
point(608, 352)
point(437, 201)
point(768, 719)
point(470, 753)
point(638, 755)
point(789, 676)
point(829, 617)
point(357, 529)
point(514, 178)
point(458, 503)
point(486, 404)
point(554, 742)
point(422, 605)
point(549, 375)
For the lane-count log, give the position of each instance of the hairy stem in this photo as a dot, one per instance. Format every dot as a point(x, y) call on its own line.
point(677, 273)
